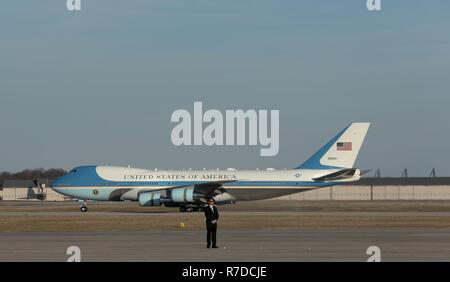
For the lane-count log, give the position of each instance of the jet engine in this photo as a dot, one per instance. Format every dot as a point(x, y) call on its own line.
point(224, 198)
point(148, 199)
point(185, 195)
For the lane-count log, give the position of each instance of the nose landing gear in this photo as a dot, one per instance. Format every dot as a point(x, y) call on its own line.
point(83, 207)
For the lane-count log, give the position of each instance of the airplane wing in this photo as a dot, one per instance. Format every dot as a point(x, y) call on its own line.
point(205, 189)
point(339, 175)
point(209, 187)
point(212, 189)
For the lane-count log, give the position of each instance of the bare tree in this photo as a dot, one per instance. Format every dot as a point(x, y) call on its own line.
point(27, 174)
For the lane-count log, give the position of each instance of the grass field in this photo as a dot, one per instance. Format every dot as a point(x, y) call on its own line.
point(267, 215)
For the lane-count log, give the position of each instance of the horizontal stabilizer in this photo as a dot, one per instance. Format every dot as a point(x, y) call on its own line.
point(339, 175)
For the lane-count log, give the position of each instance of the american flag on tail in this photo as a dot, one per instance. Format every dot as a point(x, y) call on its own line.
point(344, 146)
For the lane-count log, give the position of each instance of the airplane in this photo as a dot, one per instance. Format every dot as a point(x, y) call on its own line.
point(189, 189)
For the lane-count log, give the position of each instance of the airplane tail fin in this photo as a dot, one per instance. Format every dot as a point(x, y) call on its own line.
point(341, 151)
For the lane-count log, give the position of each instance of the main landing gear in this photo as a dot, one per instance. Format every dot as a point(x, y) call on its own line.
point(191, 208)
point(83, 207)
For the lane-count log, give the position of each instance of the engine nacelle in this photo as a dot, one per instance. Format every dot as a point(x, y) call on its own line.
point(148, 199)
point(184, 195)
point(224, 198)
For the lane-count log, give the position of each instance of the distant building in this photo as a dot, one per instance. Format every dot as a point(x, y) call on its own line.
point(402, 181)
point(372, 189)
point(14, 190)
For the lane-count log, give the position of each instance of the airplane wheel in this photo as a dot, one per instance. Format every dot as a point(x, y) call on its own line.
point(83, 209)
point(190, 209)
point(182, 209)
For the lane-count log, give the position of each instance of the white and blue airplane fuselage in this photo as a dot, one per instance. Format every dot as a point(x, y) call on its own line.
point(331, 165)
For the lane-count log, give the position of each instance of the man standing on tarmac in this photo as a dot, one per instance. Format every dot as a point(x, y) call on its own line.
point(212, 216)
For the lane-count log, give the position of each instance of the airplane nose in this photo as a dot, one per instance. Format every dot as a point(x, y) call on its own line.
point(56, 182)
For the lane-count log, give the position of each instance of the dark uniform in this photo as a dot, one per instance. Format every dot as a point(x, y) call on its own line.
point(211, 228)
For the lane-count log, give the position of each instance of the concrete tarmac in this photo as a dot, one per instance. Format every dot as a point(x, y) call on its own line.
point(261, 231)
point(235, 246)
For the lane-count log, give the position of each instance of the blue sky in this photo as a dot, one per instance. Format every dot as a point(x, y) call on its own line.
point(99, 86)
